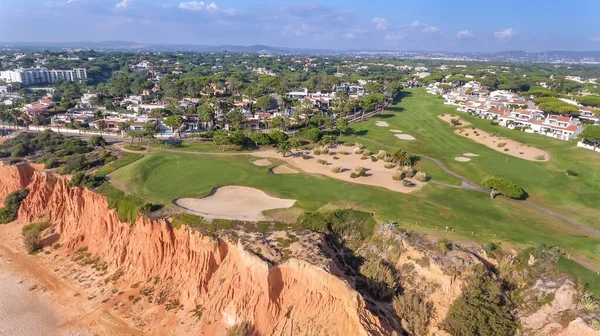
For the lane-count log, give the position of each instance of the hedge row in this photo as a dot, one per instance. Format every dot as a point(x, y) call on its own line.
point(505, 187)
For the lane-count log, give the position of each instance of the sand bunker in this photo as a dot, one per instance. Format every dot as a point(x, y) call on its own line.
point(262, 163)
point(381, 124)
point(470, 154)
point(235, 203)
point(396, 131)
point(462, 159)
point(283, 169)
point(504, 145)
point(377, 173)
point(405, 137)
point(448, 118)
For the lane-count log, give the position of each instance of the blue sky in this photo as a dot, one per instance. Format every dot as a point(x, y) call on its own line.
point(331, 24)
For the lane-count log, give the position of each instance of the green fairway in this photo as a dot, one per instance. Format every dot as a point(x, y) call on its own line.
point(163, 176)
point(546, 182)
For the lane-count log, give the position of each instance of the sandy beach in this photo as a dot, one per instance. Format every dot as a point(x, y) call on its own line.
point(23, 312)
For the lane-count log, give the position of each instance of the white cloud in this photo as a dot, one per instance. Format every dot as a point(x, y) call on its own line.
point(394, 36)
point(463, 34)
point(380, 23)
point(415, 24)
point(198, 6)
point(595, 39)
point(123, 4)
point(431, 29)
point(507, 33)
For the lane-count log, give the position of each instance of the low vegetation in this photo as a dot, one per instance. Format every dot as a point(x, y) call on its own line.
point(128, 158)
point(379, 279)
point(12, 203)
point(32, 235)
point(482, 309)
point(505, 187)
point(54, 150)
point(127, 206)
point(414, 312)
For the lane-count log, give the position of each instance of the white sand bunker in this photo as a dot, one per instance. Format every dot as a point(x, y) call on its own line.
point(283, 169)
point(396, 131)
point(470, 154)
point(405, 137)
point(381, 124)
point(235, 203)
point(262, 163)
point(462, 159)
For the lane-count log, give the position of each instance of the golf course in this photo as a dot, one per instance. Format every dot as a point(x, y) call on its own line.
point(163, 176)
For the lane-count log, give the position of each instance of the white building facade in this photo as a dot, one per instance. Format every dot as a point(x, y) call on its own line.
point(35, 76)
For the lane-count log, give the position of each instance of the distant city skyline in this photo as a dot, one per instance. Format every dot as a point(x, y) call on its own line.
point(382, 25)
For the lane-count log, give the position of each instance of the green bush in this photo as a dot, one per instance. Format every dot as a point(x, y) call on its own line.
point(85, 180)
point(505, 187)
point(32, 234)
point(482, 309)
point(348, 223)
point(414, 312)
point(379, 279)
point(127, 206)
point(12, 203)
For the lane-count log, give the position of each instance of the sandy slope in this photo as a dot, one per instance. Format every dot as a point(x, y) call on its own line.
point(511, 147)
point(378, 175)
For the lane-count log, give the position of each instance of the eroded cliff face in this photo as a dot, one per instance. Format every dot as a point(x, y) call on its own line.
point(13, 178)
point(169, 281)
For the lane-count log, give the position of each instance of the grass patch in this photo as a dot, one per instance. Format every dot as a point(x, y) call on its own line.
point(545, 182)
point(586, 277)
point(127, 206)
point(135, 148)
point(128, 158)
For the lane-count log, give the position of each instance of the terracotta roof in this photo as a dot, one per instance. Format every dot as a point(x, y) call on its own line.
point(46, 101)
point(571, 128)
point(560, 118)
point(496, 111)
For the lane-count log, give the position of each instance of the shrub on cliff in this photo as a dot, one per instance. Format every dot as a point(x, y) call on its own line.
point(11, 205)
point(352, 225)
point(241, 329)
point(482, 309)
point(32, 234)
point(127, 206)
point(379, 279)
point(505, 187)
point(85, 180)
point(414, 312)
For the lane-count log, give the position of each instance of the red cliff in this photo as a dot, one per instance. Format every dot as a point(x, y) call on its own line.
point(225, 283)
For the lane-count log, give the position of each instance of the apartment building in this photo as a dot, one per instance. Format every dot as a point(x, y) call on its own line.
point(34, 76)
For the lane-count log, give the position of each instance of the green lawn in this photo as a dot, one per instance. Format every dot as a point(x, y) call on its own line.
point(199, 146)
point(163, 176)
point(546, 182)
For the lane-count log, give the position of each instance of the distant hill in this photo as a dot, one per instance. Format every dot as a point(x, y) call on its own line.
point(503, 56)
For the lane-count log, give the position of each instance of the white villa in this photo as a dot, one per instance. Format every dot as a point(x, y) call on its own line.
point(510, 110)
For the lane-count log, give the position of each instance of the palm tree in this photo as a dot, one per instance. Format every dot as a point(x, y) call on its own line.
point(284, 148)
point(206, 115)
point(402, 157)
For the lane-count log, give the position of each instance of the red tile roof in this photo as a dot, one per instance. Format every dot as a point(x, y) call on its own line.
point(571, 128)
